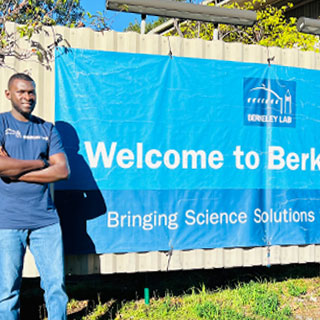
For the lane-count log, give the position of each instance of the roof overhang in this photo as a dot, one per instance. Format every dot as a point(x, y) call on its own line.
point(181, 10)
point(307, 25)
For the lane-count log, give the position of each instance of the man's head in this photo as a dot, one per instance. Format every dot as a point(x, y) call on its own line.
point(22, 94)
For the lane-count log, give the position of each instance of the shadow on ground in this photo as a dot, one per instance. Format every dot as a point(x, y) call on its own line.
point(124, 287)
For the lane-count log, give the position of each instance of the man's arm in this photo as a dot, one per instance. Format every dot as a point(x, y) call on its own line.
point(10, 167)
point(58, 170)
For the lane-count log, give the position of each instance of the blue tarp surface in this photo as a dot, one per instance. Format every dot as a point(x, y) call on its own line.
point(183, 153)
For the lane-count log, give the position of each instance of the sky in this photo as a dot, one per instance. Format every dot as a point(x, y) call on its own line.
point(118, 20)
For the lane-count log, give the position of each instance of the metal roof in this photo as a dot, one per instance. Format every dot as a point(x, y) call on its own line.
point(308, 8)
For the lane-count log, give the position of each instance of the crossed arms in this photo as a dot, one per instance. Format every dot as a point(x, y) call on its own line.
point(33, 170)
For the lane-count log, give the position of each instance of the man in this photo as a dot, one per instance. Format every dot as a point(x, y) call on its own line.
point(31, 156)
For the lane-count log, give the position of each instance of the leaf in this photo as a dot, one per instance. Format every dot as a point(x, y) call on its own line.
point(40, 56)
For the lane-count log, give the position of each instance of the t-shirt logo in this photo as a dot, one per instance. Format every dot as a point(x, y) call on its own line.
point(16, 133)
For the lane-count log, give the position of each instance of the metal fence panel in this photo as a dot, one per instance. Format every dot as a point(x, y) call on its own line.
point(154, 44)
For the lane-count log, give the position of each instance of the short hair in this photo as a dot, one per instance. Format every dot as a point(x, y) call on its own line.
point(21, 76)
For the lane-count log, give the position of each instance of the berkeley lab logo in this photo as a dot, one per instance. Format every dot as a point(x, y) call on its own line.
point(269, 102)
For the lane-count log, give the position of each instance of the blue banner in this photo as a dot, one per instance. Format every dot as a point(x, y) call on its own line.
point(181, 153)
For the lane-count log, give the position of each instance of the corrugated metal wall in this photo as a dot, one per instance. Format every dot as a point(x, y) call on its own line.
point(306, 9)
point(154, 44)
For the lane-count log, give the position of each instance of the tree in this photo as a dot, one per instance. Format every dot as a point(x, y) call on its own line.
point(32, 16)
point(149, 25)
point(47, 12)
point(271, 29)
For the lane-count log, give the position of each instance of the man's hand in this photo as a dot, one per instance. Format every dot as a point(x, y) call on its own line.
point(3, 153)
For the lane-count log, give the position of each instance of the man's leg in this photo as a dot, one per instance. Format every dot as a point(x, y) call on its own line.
point(12, 249)
point(47, 249)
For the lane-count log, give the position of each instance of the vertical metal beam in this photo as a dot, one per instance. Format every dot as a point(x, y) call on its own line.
point(143, 24)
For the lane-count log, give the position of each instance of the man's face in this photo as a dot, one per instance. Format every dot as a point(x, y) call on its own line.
point(22, 95)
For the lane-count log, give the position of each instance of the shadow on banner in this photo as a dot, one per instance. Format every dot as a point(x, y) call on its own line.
point(77, 199)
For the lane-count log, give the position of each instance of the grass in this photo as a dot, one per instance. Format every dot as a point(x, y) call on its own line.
point(247, 301)
point(253, 301)
point(281, 293)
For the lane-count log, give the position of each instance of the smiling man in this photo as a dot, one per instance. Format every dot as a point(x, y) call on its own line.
point(31, 157)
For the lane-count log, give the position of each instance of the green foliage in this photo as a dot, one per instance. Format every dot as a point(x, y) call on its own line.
point(254, 300)
point(149, 25)
point(267, 304)
point(99, 311)
point(98, 21)
point(32, 16)
point(271, 29)
point(249, 301)
point(212, 311)
point(168, 305)
point(264, 301)
point(296, 290)
point(42, 12)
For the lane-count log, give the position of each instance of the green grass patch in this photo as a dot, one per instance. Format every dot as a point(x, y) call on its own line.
point(282, 293)
point(254, 300)
point(296, 288)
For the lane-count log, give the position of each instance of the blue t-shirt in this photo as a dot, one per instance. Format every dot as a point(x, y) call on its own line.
point(25, 205)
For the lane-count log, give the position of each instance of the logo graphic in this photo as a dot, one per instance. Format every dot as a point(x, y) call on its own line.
point(13, 132)
point(18, 134)
point(269, 102)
